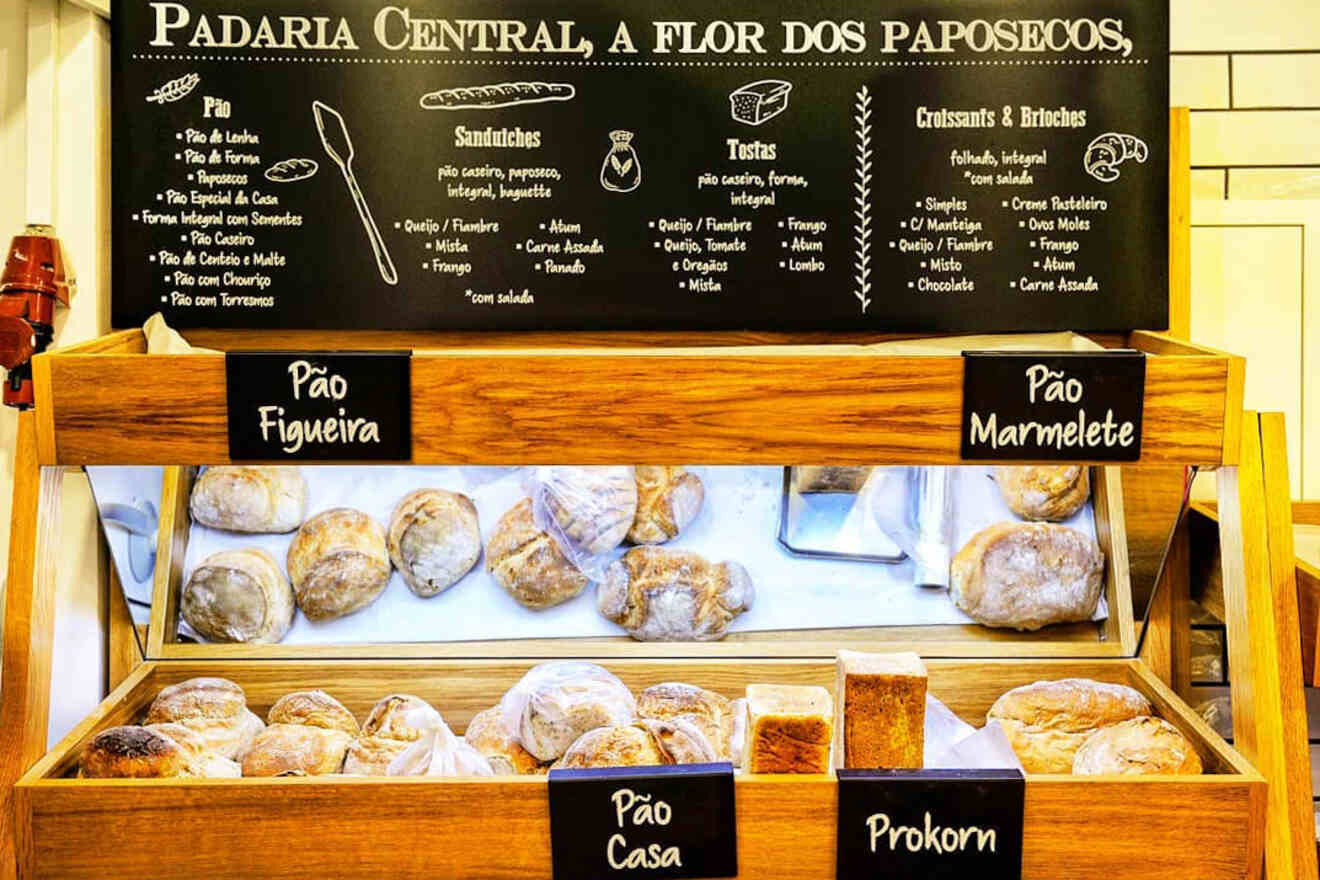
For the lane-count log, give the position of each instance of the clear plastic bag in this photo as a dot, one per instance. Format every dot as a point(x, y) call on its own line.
point(913, 505)
point(440, 753)
point(588, 510)
point(951, 743)
point(557, 702)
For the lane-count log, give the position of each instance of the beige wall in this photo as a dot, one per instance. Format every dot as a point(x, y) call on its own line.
point(1250, 71)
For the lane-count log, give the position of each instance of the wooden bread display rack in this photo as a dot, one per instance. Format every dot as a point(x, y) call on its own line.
point(740, 399)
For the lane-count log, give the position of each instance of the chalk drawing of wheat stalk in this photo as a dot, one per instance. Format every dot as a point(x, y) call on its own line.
point(862, 229)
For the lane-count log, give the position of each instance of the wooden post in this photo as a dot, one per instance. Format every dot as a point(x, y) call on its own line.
point(1269, 716)
point(28, 625)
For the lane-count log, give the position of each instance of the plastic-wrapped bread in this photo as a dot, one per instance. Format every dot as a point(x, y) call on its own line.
point(238, 596)
point(590, 509)
point(434, 540)
point(663, 595)
point(881, 711)
point(714, 715)
point(1051, 493)
point(308, 734)
point(1028, 575)
point(645, 743)
point(789, 729)
point(490, 734)
point(250, 498)
point(668, 500)
point(529, 564)
point(338, 563)
point(1138, 747)
point(213, 708)
point(159, 751)
point(1048, 721)
point(440, 753)
point(555, 703)
point(394, 724)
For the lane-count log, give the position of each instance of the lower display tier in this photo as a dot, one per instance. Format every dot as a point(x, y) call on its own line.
point(1209, 826)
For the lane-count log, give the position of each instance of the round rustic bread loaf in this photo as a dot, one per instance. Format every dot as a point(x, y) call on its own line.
point(528, 563)
point(1139, 747)
point(712, 714)
point(238, 596)
point(646, 743)
point(490, 735)
point(1047, 722)
point(668, 500)
point(1044, 492)
point(250, 498)
point(556, 702)
point(434, 540)
point(663, 595)
point(338, 563)
point(214, 708)
point(392, 726)
point(158, 751)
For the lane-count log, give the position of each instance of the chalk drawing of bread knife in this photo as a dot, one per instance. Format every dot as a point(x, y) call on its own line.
point(339, 147)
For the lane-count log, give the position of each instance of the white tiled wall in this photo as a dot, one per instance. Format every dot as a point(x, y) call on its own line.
point(1250, 71)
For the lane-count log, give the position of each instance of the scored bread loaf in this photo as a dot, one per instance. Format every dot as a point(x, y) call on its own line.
point(1047, 722)
point(434, 540)
point(1027, 575)
point(527, 562)
point(1139, 747)
point(645, 743)
point(880, 721)
point(1044, 492)
point(238, 596)
point(307, 734)
point(490, 734)
point(712, 714)
point(250, 498)
point(592, 507)
point(338, 563)
point(668, 500)
point(394, 724)
point(789, 729)
point(663, 595)
point(213, 708)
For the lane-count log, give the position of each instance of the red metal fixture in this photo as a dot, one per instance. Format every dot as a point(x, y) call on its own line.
point(37, 279)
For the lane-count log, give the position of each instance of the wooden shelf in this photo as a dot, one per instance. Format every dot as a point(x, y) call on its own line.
point(599, 399)
point(1076, 828)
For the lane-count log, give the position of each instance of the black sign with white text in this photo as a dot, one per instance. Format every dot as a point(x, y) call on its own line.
point(1053, 406)
point(933, 824)
point(673, 821)
point(319, 406)
point(924, 166)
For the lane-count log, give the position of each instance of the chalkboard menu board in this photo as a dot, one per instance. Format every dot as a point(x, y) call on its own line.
point(619, 164)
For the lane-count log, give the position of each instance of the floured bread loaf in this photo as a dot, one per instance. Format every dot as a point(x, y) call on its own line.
point(1028, 575)
point(1044, 492)
point(159, 751)
point(1139, 747)
point(646, 743)
point(394, 724)
point(668, 500)
point(881, 711)
point(526, 561)
point(1048, 721)
point(809, 479)
point(663, 595)
point(434, 540)
point(338, 563)
point(714, 715)
point(490, 735)
point(238, 596)
point(789, 730)
point(307, 734)
point(256, 499)
point(593, 507)
point(213, 708)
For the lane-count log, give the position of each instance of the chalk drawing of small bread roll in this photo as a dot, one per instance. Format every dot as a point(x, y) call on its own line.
point(1108, 151)
point(490, 97)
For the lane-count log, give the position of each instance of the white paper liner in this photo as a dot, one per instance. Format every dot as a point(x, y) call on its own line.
point(953, 744)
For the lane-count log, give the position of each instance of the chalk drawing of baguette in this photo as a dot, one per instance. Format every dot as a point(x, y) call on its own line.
point(509, 94)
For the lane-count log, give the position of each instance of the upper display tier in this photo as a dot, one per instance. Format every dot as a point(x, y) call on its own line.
point(785, 165)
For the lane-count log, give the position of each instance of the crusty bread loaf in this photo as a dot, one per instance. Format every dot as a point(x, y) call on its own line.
point(526, 561)
point(338, 563)
point(1139, 747)
point(663, 595)
point(646, 743)
point(296, 750)
point(238, 596)
point(1028, 575)
point(249, 498)
point(214, 708)
point(313, 709)
point(199, 760)
point(557, 702)
point(668, 500)
point(493, 738)
point(880, 721)
point(158, 751)
point(1047, 722)
point(711, 713)
point(789, 730)
point(593, 507)
point(434, 540)
point(392, 726)
point(809, 479)
point(1044, 492)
